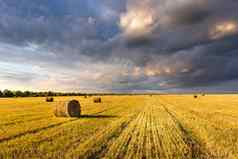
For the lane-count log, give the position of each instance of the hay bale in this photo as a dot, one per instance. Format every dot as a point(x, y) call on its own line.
point(97, 100)
point(195, 96)
point(70, 108)
point(49, 99)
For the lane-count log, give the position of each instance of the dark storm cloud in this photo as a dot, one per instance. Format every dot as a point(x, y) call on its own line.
point(56, 22)
point(214, 63)
point(190, 16)
point(177, 44)
point(190, 13)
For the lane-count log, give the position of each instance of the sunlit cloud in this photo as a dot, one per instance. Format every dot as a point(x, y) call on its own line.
point(139, 20)
point(149, 71)
point(223, 29)
point(136, 71)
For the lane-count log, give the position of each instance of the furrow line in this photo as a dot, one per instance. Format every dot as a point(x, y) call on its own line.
point(98, 144)
point(118, 148)
point(34, 131)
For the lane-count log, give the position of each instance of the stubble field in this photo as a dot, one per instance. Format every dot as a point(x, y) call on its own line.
point(158, 126)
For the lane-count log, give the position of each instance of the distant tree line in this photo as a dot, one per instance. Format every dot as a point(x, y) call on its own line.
point(9, 93)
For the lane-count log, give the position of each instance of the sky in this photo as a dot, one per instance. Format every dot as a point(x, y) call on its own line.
point(119, 46)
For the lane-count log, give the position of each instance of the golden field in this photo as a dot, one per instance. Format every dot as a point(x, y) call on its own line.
point(158, 126)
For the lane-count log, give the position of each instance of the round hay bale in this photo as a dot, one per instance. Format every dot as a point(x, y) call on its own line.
point(49, 99)
point(97, 100)
point(195, 96)
point(70, 108)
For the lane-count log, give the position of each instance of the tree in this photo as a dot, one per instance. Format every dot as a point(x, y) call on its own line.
point(8, 93)
point(50, 93)
point(27, 93)
point(1, 94)
point(19, 94)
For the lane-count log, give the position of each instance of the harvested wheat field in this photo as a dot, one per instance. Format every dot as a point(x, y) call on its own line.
point(165, 126)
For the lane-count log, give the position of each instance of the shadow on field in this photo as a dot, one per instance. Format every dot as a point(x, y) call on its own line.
point(98, 116)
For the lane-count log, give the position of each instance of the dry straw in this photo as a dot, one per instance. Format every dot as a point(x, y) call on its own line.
point(97, 100)
point(49, 99)
point(70, 108)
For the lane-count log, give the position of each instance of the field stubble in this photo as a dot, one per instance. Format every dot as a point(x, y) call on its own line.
point(166, 127)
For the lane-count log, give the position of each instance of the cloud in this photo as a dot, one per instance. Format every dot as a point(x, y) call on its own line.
point(124, 45)
point(184, 12)
point(224, 29)
point(138, 21)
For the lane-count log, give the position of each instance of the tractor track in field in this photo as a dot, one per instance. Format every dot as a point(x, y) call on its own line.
point(71, 144)
point(153, 130)
point(120, 146)
point(98, 144)
point(135, 139)
point(155, 133)
point(23, 121)
point(16, 117)
point(34, 131)
point(197, 149)
point(105, 137)
point(198, 114)
point(145, 135)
